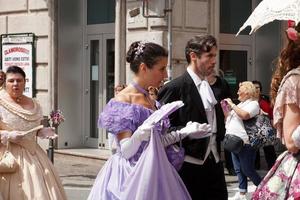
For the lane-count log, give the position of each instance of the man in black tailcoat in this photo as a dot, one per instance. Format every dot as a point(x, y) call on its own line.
point(202, 171)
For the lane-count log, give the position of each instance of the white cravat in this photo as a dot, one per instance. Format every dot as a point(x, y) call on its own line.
point(209, 101)
point(207, 96)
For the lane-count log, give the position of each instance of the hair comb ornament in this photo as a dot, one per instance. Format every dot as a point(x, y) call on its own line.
point(292, 33)
point(140, 49)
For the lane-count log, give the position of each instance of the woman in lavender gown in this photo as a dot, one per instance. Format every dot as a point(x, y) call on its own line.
point(144, 164)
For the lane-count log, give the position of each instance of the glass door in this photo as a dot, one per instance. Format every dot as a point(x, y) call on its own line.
point(236, 65)
point(98, 86)
point(109, 78)
point(235, 54)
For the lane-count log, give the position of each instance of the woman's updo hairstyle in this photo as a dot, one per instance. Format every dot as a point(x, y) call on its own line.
point(148, 53)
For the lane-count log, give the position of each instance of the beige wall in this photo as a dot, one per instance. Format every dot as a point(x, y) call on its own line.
point(190, 17)
point(20, 16)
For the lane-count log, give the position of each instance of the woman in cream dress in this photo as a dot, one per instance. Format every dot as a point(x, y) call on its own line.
point(35, 177)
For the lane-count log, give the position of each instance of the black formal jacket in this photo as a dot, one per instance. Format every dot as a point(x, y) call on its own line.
point(183, 88)
point(221, 91)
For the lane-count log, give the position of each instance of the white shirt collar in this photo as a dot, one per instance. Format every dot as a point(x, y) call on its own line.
point(196, 79)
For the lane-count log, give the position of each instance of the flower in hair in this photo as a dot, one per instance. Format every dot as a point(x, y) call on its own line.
point(140, 49)
point(291, 23)
point(292, 33)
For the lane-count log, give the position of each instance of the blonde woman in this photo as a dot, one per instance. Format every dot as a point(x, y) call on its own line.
point(243, 161)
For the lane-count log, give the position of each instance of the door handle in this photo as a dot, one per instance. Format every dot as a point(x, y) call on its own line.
point(86, 91)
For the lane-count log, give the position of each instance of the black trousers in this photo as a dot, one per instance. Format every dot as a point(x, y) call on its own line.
point(205, 182)
point(270, 156)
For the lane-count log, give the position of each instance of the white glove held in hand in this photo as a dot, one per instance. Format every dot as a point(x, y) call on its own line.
point(10, 136)
point(196, 130)
point(143, 132)
point(130, 145)
point(296, 136)
point(47, 133)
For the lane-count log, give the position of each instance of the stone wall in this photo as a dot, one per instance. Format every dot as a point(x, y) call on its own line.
point(190, 17)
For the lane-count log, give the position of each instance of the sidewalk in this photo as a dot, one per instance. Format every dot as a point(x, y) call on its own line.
point(78, 169)
point(100, 154)
point(232, 184)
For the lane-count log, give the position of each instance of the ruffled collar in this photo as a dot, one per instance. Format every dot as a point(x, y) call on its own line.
point(295, 71)
point(29, 115)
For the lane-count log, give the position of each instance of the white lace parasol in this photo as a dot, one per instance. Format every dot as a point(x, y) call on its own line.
point(270, 10)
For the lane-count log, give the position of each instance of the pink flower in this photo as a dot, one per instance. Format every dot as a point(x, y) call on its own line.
point(292, 34)
point(56, 117)
point(291, 23)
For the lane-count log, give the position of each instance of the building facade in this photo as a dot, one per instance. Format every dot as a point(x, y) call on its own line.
point(81, 44)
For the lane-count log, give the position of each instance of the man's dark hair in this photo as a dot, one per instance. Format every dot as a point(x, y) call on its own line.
point(258, 83)
point(262, 96)
point(199, 44)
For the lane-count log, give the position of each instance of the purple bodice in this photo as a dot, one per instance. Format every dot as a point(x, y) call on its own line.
point(121, 116)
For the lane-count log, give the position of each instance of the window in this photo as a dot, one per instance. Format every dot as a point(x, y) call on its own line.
point(100, 11)
point(233, 13)
point(234, 65)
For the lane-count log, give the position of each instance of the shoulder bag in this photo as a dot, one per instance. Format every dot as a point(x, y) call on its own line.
point(260, 131)
point(233, 143)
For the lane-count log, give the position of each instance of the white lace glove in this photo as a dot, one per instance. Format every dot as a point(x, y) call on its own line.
point(194, 130)
point(47, 133)
point(130, 145)
point(296, 136)
point(11, 136)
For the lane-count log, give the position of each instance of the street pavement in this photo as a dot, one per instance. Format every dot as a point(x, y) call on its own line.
point(79, 172)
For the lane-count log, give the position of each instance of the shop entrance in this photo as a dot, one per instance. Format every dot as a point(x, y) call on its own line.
point(98, 85)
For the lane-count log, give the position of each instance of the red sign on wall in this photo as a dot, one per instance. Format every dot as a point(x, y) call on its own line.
point(18, 50)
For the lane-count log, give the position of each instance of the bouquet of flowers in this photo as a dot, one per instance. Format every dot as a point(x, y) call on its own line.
point(55, 118)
